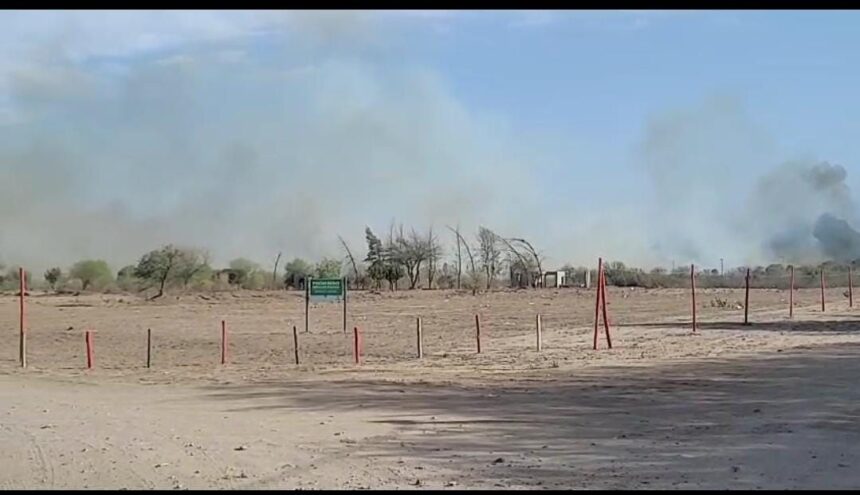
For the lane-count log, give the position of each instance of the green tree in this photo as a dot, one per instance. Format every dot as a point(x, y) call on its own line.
point(376, 257)
point(191, 264)
point(327, 268)
point(91, 273)
point(156, 267)
point(52, 276)
point(295, 271)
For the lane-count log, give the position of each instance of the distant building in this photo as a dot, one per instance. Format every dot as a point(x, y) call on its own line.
point(555, 279)
point(227, 276)
point(521, 277)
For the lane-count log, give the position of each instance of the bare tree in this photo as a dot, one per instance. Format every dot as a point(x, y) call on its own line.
point(434, 252)
point(459, 257)
point(512, 250)
point(411, 252)
point(490, 253)
point(474, 271)
point(351, 260)
point(534, 254)
point(275, 271)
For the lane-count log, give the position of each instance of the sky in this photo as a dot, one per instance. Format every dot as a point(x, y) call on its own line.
point(651, 137)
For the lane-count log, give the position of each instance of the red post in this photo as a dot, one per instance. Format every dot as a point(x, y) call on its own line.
point(693, 290)
point(357, 348)
point(605, 312)
point(822, 290)
point(223, 342)
point(22, 338)
point(791, 293)
point(88, 337)
point(478, 331)
point(850, 289)
point(597, 300)
point(747, 300)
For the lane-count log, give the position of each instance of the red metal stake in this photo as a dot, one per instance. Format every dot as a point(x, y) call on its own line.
point(693, 289)
point(822, 290)
point(88, 337)
point(605, 312)
point(357, 348)
point(597, 300)
point(223, 342)
point(747, 300)
point(22, 338)
point(791, 294)
point(478, 331)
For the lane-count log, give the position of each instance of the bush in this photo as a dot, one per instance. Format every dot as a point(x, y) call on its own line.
point(327, 268)
point(92, 273)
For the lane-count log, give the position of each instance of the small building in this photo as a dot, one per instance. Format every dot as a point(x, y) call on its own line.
point(555, 279)
point(521, 278)
point(227, 276)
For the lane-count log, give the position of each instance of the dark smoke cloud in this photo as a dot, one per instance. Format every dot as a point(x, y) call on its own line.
point(705, 207)
point(839, 241)
point(803, 209)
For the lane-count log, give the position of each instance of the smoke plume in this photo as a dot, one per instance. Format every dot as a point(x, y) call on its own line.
point(242, 151)
point(701, 162)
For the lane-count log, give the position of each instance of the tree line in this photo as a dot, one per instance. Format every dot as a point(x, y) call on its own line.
point(399, 259)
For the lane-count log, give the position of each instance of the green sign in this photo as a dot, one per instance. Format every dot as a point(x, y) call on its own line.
point(326, 289)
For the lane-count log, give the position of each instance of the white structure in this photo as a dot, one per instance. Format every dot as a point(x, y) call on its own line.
point(554, 279)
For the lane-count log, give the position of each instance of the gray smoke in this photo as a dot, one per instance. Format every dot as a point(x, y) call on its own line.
point(708, 204)
point(839, 241)
point(803, 210)
point(243, 153)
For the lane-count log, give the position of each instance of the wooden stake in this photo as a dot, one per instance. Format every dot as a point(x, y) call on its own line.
point(22, 337)
point(747, 299)
point(822, 290)
point(597, 300)
point(850, 289)
point(88, 338)
point(478, 331)
point(148, 347)
point(791, 293)
point(605, 311)
point(419, 337)
point(357, 348)
point(693, 291)
point(538, 332)
point(223, 342)
point(296, 344)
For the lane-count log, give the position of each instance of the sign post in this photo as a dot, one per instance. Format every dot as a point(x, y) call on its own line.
point(345, 289)
point(307, 303)
point(325, 290)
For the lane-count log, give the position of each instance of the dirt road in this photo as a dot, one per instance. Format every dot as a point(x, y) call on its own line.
point(779, 421)
point(770, 405)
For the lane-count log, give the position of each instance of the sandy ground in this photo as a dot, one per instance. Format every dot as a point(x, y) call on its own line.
point(770, 405)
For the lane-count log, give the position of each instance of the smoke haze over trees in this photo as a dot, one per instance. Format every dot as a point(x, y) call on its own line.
point(249, 134)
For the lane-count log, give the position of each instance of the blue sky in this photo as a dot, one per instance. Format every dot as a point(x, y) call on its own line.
point(550, 125)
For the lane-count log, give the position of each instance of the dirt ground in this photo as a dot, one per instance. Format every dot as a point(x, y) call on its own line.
point(769, 405)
